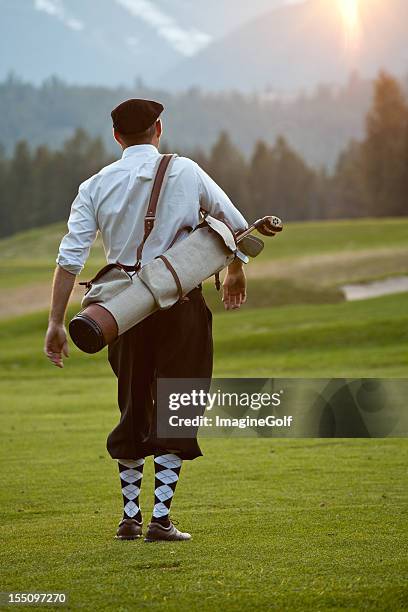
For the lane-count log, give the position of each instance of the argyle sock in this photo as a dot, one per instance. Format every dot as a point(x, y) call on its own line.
point(131, 473)
point(167, 468)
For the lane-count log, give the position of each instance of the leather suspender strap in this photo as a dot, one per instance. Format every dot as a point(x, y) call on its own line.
point(150, 216)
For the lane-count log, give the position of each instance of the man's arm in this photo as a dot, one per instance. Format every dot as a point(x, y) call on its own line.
point(82, 229)
point(56, 342)
point(216, 202)
point(73, 252)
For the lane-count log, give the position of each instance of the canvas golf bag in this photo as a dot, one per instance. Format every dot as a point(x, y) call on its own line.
point(120, 296)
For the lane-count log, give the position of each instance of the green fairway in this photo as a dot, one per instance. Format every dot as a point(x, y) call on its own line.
point(29, 257)
point(277, 524)
point(286, 525)
point(307, 264)
point(321, 237)
point(367, 338)
point(297, 239)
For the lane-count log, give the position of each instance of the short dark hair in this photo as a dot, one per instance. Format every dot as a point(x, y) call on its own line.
point(140, 137)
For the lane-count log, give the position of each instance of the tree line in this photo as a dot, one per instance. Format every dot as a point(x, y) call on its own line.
point(318, 123)
point(38, 186)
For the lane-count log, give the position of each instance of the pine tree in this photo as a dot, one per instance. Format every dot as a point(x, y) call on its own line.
point(294, 183)
point(18, 188)
point(42, 189)
point(227, 166)
point(4, 216)
point(262, 181)
point(385, 149)
point(349, 196)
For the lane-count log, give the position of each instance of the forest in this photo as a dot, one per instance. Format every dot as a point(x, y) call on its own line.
point(370, 177)
point(318, 124)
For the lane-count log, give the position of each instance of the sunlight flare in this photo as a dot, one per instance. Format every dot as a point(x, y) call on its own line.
point(350, 13)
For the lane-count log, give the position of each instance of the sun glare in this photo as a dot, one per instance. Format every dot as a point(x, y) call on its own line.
point(350, 13)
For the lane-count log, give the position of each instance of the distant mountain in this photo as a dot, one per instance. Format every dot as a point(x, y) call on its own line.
point(298, 46)
point(95, 42)
point(111, 42)
point(216, 44)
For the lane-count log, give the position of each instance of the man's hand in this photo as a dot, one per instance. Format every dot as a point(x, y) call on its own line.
point(234, 286)
point(56, 343)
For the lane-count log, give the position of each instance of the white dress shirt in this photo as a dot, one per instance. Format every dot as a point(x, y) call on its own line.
point(115, 200)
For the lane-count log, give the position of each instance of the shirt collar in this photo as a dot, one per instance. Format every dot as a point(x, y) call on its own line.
point(142, 149)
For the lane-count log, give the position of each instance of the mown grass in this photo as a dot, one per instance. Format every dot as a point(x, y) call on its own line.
point(265, 293)
point(29, 257)
point(367, 338)
point(321, 237)
point(297, 239)
point(284, 525)
point(277, 524)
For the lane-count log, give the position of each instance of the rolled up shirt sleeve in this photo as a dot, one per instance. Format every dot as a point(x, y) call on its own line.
point(216, 202)
point(82, 229)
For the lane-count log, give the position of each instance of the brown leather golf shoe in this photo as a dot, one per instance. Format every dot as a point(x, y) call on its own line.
point(158, 533)
point(129, 529)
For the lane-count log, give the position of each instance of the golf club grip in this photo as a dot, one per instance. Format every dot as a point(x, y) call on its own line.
point(271, 220)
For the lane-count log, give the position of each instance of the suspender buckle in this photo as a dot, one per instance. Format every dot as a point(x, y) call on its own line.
point(148, 225)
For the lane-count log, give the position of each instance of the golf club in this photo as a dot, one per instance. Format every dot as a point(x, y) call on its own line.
point(251, 245)
point(267, 226)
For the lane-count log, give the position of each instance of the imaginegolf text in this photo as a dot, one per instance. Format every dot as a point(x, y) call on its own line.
point(240, 423)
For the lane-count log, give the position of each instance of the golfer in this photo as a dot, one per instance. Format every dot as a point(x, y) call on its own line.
point(173, 343)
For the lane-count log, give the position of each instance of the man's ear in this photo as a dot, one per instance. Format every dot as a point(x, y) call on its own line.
point(159, 128)
point(116, 136)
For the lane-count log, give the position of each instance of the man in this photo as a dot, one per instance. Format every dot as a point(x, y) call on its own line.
point(174, 343)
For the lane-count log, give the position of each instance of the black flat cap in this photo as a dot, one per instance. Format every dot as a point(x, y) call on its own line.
point(135, 115)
